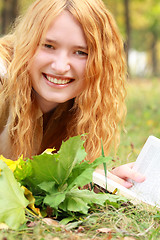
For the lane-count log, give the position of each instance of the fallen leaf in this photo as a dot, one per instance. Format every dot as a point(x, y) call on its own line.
point(104, 230)
point(32, 224)
point(28, 194)
point(129, 238)
point(80, 229)
point(50, 222)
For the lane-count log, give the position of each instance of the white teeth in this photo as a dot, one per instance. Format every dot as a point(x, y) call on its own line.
point(57, 81)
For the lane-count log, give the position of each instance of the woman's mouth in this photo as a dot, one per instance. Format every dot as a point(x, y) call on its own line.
point(58, 80)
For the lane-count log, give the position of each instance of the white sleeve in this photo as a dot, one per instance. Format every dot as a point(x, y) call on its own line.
point(3, 69)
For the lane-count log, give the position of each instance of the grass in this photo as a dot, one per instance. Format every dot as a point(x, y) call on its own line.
point(143, 116)
point(135, 222)
point(129, 221)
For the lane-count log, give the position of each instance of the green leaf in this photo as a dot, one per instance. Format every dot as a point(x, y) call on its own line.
point(12, 200)
point(44, 169)
point(112, 198)
point(23, 170)
point(65, 221)
point(71, 153)
point(80, 178)
point(75, 204)
point(48, 186)
point(56, 178)
point(57, 167)
point(73, 225)
point(80, 200)
point(82, 173)
point(54, 199)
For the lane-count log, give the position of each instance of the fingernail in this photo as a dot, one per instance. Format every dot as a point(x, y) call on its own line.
point(128, 184)
point(140, 178)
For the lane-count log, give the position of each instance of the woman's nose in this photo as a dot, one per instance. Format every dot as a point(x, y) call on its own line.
point(61, 64)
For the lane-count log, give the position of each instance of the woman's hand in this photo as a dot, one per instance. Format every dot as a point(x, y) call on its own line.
point(122, 173)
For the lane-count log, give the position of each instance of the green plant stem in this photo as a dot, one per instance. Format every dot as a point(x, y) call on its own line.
point(104, 164)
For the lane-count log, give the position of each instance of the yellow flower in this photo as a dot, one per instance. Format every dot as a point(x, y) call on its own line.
point(49, 150)
point(10, 163)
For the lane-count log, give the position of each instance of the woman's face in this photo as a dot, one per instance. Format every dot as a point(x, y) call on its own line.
point(57, 70)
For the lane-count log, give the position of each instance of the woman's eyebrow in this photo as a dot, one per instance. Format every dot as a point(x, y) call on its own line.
point(52, 41)
point(81, 47)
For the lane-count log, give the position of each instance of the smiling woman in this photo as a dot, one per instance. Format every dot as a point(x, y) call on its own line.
point(58, 68)
point(64, 76)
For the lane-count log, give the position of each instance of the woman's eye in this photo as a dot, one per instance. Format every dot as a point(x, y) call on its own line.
point(49, 46)
point(81, 53)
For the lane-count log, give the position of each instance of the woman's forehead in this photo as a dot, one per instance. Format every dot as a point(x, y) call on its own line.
point(66, 25)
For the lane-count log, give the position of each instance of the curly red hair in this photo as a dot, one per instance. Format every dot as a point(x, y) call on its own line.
point(100, 109)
